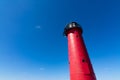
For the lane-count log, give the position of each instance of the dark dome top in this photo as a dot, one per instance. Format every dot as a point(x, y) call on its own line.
point(70, 26)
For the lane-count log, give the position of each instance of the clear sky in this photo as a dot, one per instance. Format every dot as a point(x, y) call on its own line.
point(32, 46)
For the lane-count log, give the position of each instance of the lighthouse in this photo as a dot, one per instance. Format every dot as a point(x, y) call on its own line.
point(79, 61)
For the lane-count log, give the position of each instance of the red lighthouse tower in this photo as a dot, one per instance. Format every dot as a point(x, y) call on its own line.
point(79, 61)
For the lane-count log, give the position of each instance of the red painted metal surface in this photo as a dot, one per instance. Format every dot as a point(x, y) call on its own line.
point(80, 65)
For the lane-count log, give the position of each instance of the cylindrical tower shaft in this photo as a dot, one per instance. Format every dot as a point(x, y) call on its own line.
point(80, 65)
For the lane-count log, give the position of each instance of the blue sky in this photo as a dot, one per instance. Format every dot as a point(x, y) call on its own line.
point(32, 46)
